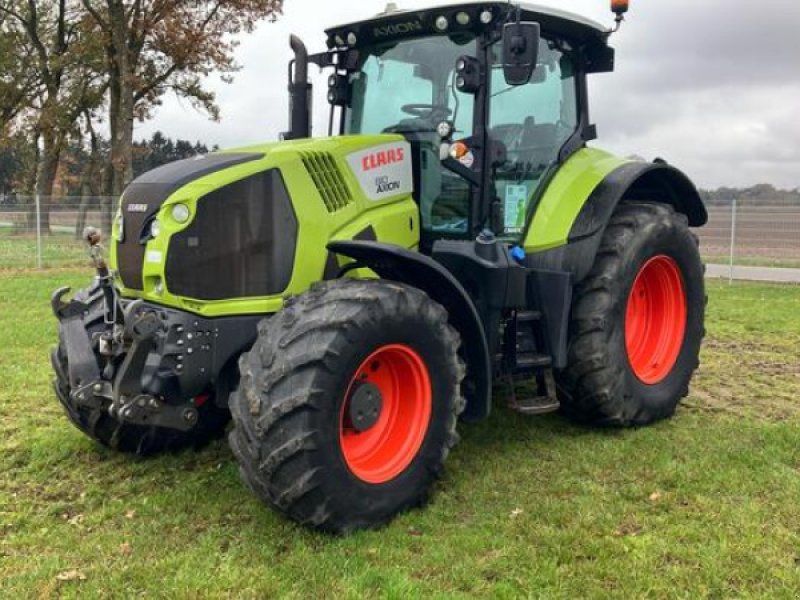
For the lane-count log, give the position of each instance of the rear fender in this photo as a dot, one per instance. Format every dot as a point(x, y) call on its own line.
point(401, 265)
point(641, 181)
point(656, 182)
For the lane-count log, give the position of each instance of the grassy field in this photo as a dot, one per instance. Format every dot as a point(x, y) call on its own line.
point(18, 251)
point(703, 505)
point(755, 261)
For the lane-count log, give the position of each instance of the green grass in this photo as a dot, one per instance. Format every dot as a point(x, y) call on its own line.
point(19, 251)
point(756, 261)
point(703, 505)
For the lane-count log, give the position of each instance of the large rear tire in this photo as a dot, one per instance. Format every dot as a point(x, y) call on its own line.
point(125, 437)
point(637, 321)
point(348, 404)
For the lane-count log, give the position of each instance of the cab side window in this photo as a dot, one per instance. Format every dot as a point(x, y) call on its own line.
point(533, 121)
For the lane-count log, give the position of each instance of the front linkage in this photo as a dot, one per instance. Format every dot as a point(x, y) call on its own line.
point(143, 364)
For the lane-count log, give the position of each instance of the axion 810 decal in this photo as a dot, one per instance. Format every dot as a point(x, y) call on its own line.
point(383, 171)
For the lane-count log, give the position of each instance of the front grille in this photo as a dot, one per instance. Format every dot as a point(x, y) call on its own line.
point(241, 242)
point(327, 179)
point(145, 195)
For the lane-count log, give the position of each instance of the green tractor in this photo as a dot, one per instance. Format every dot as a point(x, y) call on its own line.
point(349, 299)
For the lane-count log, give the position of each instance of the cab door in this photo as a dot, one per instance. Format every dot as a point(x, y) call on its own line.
point(532, 121)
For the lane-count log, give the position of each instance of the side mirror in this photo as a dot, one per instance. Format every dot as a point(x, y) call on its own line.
point(520, 51)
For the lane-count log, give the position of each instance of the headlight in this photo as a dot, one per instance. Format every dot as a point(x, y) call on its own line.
point(155, 228)
point(181, 213)
point(119, 228)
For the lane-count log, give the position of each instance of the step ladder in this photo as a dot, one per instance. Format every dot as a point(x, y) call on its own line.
point(525, 363)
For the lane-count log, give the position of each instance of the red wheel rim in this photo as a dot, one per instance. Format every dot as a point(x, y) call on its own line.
point(655, 319)
point(384, 450)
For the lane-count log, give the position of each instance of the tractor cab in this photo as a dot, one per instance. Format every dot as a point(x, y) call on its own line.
point(490, 96)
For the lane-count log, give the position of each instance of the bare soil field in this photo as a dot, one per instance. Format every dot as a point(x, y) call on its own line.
point(761, 232)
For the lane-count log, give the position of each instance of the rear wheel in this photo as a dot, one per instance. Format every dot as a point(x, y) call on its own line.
point(637, 320)
point(348, 404)
point(142, 440)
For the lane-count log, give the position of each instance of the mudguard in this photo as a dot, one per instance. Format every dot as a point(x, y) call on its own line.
point(656, 181)
point(404, 266)
point(608, 181)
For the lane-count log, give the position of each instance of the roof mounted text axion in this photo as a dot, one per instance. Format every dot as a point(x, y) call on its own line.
point(397, 29)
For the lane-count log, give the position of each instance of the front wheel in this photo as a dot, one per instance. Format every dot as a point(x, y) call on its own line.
point(637, 321)
point(348, 404)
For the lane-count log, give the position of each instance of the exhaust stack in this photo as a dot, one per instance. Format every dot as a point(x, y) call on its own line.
point(299, 93)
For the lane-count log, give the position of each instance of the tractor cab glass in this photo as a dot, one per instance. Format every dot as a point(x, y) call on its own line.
point(408, 87)
point(532, 121)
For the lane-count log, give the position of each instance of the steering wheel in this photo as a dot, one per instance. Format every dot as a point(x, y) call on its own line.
point(426, 111)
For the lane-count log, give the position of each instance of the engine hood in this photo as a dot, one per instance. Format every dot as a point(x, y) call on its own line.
point(253, 214)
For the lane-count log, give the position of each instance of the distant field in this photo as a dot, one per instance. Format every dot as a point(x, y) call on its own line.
point(765, 235)
point(749, 261)
point(18, 251)
point(18, 245)
point(704, 505)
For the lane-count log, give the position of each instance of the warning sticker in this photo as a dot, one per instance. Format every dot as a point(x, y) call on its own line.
point(515, 208)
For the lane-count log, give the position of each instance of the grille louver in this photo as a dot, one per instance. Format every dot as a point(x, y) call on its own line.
point(328, 180)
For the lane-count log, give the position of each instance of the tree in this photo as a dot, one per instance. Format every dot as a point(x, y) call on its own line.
point(156, 46)
point(18, 82)
point(10, 164)
point(68, 78)
point(91, 179)
point(160, 150)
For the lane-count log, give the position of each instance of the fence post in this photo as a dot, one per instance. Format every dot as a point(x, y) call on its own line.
point(38, 232)
point(733, 241)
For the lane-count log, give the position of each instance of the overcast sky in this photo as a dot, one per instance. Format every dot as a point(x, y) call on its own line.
point(713, 86)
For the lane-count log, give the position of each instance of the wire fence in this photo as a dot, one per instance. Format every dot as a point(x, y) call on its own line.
point(45, 232)
point(743, 232)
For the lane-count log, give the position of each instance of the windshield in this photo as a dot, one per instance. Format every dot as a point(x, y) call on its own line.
point(409, 86)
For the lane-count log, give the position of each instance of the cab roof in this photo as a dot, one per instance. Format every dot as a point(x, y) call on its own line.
point(399, 23)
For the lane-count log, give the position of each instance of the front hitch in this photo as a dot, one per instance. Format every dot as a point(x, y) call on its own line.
point(65, 310)
point(93, 237)
point(127, 344)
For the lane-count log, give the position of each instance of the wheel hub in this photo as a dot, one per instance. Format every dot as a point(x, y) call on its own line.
point(364, 406)
point(655, 319)
point(386, 413)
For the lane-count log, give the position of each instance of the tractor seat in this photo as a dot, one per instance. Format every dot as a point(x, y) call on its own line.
point(538, 144)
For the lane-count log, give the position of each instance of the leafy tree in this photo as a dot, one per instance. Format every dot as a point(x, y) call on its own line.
point(18, 82)
point(160, 150)
point(67, 75)
point(762, 193)
point(156, 46)
point(18, 160)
